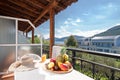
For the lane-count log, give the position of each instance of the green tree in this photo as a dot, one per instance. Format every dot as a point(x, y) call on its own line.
point(71, 42)
point(46, 41)
point(36, 39)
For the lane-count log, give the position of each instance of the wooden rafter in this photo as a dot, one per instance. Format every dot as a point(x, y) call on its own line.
point(45, 10)
point(48, 0)
point(23, 5)
point(19, 10)
point(35, 3)
point(46, 17)
point(61, 6)
point(13, 14)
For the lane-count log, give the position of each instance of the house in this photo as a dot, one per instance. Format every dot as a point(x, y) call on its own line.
point(110, 44)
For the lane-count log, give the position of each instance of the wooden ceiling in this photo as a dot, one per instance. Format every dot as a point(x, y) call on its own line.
point(37, 11)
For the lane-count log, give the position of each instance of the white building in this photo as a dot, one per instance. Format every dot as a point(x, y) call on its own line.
point(109, 44)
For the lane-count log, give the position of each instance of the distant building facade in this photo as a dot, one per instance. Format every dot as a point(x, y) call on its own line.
point(110, 44)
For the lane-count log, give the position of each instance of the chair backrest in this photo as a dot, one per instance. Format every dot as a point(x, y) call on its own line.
point(56, 51)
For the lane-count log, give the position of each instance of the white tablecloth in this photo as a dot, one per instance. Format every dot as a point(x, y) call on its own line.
point(41, 74)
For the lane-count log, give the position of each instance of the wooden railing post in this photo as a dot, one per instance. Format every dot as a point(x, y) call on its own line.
point(93, 70)
point(33, 35)
point(73, 58)
point(112, 74)
point(81, 64)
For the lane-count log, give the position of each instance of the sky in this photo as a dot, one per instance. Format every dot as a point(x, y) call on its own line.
point(84, 18)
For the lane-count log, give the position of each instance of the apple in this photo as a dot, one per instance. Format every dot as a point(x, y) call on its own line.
point(53, 60)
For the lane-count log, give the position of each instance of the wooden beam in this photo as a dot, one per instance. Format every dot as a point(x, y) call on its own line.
point(35, 3)
point(48, 0)
point(52, 22)
point(32, 35)
point(6, 11)
point(20, 10)
point(46, 17)
point(61, 6)
point(45, 10)
point(23, 5)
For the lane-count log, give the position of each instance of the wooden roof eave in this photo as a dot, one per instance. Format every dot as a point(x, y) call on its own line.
point(37, 11)
point(45, 10)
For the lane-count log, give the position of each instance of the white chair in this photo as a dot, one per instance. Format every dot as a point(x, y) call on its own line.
point(56, 51)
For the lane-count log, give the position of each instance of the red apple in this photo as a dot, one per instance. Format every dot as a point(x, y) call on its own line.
point(52, 60)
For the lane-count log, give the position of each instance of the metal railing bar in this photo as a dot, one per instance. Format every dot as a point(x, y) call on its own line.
point(112, 55)
point(102, 65)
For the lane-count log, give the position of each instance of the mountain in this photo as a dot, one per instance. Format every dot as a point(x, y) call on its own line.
point(64, 38)
point(110, 32)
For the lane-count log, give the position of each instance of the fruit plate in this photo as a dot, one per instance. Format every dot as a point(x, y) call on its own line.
point(58, 71)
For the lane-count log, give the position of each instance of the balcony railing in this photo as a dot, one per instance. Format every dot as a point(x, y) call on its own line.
point(92, 63)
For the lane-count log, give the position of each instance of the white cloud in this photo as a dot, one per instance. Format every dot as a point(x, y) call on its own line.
point(117, 24)
point(66, 22)
point(63, 31)
point(46, 36)
point(87, 33)
point(72, 22)
point(78, 20)
point(66, 30)
point(91, 33)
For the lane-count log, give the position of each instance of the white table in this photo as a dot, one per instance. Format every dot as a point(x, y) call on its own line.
point(41, 74)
